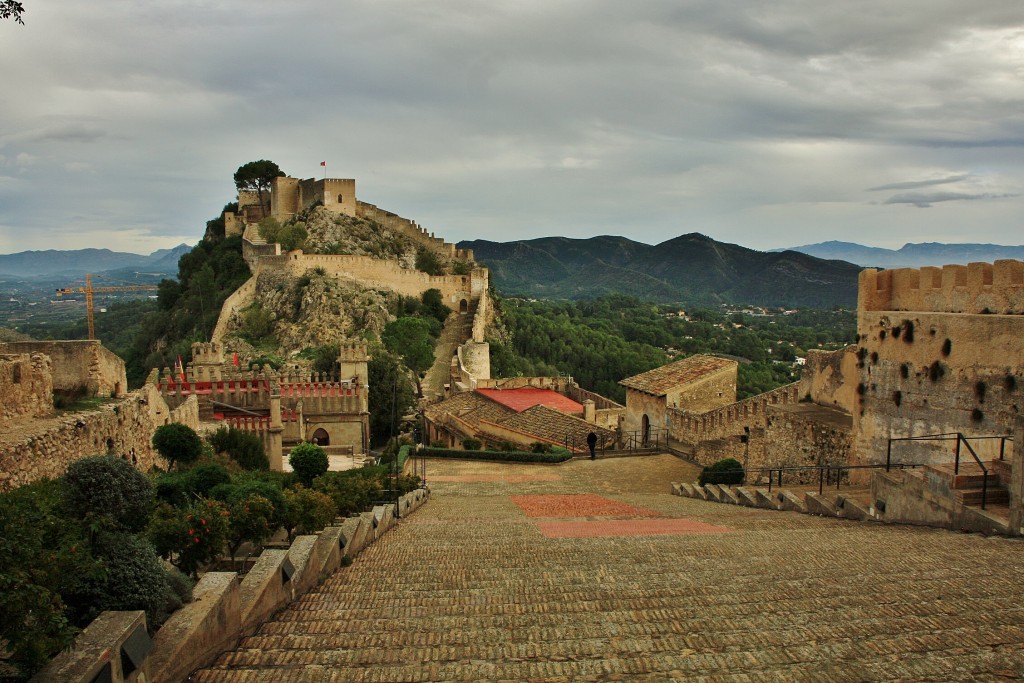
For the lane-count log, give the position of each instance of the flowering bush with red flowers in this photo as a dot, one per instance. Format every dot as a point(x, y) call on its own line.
point(190, 537)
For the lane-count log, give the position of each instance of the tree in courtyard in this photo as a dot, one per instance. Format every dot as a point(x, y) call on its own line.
point(177, 443)
point(392, 397)
point(256, 176)
point(308, 461)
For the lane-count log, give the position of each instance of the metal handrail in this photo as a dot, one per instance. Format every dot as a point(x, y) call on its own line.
point(960, 439)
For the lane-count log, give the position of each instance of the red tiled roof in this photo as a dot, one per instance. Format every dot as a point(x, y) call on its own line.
point(660, 381)
point(527, 397)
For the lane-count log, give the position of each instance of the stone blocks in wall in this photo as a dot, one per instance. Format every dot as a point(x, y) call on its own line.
point(97, 654)
point(26, 387)
point(996, 288)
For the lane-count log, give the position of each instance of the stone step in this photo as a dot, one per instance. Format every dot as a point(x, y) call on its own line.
point(969, 475)
point(995, 494)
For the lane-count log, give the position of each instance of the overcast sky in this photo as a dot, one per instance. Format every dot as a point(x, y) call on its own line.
point(764, 123)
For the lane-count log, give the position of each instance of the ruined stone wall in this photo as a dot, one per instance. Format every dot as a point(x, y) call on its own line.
point(728, 421)
point(45, 448)
point(829, 378)
point(26, 387)
point(484, 316)
point(78, 364)
point(934, 372)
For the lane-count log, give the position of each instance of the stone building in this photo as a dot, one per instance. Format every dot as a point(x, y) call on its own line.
point(695, 384)
point(523, 415)
point(284, 408)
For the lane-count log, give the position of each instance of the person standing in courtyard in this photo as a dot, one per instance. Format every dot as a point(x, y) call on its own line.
point(592, 444)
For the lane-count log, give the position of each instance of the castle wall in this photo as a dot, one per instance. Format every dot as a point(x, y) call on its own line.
point(238, 300)
point(975, 288)
point(805, 434)
point(411, 229)
point(78, 364)
point(26, 387)
point(690, 428)
point(913, 383)
point(484, 316)
point(830, 378)
point(284, 197)
point(336, 194)
point(375, 273)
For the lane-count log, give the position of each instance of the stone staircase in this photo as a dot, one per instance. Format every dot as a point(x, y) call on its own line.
point(468, 589)
point(967, 484)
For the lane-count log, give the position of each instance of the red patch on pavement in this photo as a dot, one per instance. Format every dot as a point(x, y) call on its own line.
point(507, 478)
point(626, 527)
point(584, 505)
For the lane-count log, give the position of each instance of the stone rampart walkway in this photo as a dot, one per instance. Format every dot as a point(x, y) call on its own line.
point(592, 571)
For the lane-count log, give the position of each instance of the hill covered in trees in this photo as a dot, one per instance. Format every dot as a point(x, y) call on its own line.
point(691, 269)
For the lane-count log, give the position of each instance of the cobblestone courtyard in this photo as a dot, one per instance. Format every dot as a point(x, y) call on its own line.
point(591, 571)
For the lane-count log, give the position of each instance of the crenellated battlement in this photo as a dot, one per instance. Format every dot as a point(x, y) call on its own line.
point(692, 428)
point(412, 230)
point(975, 288)
point(207, 353)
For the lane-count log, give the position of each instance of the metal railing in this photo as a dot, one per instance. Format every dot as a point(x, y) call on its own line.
point(960, 440)
point(657, 439)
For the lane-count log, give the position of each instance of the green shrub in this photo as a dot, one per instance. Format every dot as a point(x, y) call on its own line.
point(538, 447)
point(133, 579)
point(726, 471)
point(203, 478)
point(190, 537)
point(174, 488)
point(244, 486)
point(245, 448)
point(108, 488)
point(471, 444)
point(308, 511)
point(353, 490)
point(177, 443)
point(308, 461)
point(251, 519)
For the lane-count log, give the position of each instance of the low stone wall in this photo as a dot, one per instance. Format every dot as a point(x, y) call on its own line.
point(692, 428)
point(224, 608)
point(44, 448)
point(78, 364)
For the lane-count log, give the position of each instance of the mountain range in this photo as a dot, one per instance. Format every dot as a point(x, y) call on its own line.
point(31, 264)
point(689, 269)
point(910, 255)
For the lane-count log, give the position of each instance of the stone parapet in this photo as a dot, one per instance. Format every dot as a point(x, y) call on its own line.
point(975, 288)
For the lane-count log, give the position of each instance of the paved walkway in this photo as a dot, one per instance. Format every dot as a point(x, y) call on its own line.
point(590, 571)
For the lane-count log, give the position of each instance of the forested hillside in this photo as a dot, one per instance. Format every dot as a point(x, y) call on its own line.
point(690, 270)
point(602, 341)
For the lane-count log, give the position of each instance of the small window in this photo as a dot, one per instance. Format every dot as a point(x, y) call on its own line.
point(16, 373)
point(341, 199)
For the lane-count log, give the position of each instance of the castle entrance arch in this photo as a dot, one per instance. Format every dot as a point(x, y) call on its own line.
point(321, 438)
point(463, 306)
point(645, 427)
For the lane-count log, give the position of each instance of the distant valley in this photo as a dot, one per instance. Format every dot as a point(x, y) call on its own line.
point(692, 269)
point(71, 263)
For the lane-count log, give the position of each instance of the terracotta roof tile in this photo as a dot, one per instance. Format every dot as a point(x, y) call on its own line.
point(660, 381)
point(470, 406)
point(525, 397)
point(552, 425)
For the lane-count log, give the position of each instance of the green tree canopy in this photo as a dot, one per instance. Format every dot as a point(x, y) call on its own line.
point(256, 176)
point(177, 443)
point(12, 9)
point(308, 461)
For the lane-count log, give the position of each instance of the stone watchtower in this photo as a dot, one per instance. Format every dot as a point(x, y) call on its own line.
point(353, 360)
point(207, 361)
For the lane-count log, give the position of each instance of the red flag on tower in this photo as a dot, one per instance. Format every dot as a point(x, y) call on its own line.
point(181, 369)
point(324, 164)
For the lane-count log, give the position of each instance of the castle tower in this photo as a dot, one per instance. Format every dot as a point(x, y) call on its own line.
point(207, 360)
point(353, 359)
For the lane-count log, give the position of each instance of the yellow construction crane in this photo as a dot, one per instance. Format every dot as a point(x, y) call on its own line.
point(90, 290)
